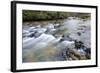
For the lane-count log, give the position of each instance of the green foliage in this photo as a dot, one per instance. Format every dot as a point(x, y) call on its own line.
point(30, 15)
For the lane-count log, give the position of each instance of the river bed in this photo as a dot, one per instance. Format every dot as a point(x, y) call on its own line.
point(58, 40)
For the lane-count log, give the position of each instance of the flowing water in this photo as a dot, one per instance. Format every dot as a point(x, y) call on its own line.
point(48, 40)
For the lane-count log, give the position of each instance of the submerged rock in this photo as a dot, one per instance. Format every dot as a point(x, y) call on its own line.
point(55, 42)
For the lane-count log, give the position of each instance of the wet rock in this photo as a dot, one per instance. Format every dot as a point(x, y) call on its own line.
point(73, 57)
point(75, 54)
point(28, 34)
point(81, 51)
point(32, 35)
point(55, 42)
point(36, 34)
point(88, 53)
point(79, 33)
point(78, 44)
